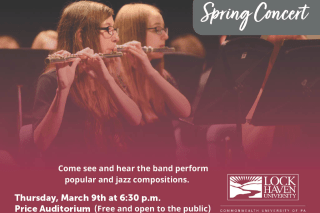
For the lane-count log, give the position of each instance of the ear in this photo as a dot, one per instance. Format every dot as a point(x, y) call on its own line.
point(78, 35)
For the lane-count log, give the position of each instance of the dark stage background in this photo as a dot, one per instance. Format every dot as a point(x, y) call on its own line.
point(25, 19)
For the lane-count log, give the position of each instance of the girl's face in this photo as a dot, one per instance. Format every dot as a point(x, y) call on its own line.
point(108, 36)
point(156, 33)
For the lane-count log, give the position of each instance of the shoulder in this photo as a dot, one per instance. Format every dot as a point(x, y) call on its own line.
point(49, 75)
point(48, 78)
point(47, 83)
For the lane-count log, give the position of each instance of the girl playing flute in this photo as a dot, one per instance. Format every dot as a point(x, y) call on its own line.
point(81, 107)
point(150, 85)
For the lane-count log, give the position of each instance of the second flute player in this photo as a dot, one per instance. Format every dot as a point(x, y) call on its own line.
point(150, 85)
point(80, 109)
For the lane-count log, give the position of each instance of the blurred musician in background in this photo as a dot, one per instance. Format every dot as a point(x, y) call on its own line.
point(189, 44)
point(150, 85)
point(80, 108)
point(47, 40)
point(8, 42)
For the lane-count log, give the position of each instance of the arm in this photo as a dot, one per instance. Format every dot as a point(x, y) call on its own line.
point(177, 103)
point(127, 107)
point(49, 126)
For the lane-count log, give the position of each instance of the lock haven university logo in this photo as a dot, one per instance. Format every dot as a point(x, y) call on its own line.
point(263, 187)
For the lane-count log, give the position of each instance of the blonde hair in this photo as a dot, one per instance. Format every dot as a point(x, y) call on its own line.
point(189, 44)
point(8, 42)
point(45, 38)
point(132, 20)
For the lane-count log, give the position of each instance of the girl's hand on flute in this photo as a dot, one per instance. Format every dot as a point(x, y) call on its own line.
point(65, 72)
point(138, 57)
point(114, 65)
point(95, 65)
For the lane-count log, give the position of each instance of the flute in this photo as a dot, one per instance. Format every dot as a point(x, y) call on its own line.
point(51, 59)
point(121, 48)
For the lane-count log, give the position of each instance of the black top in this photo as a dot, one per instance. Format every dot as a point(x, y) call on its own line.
point(75, 141)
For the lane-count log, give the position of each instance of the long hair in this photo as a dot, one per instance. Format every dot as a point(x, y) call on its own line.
point(132, 20)
point(84, 18)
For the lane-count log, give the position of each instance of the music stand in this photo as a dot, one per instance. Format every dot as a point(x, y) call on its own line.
point(186, 70)
point(291, 95)
point(230, 37)
point(19, 70)
point(233, 85)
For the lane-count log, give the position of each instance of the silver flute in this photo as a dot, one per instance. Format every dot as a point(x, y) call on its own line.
point(52, 59)
point(121, 48)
